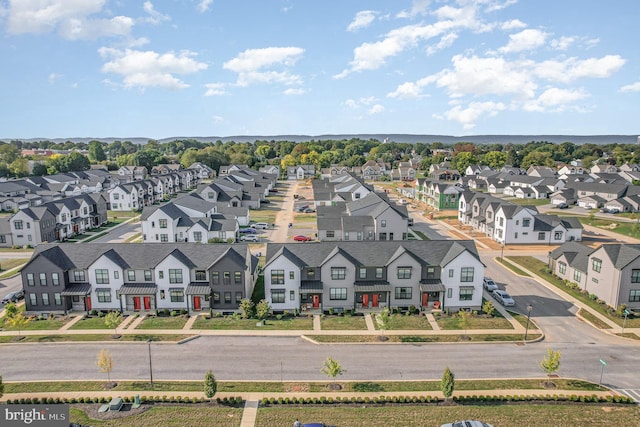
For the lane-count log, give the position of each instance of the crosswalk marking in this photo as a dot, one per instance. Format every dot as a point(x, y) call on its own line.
point(633, 393)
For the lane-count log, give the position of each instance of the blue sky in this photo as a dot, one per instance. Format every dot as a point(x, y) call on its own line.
point(165, 68)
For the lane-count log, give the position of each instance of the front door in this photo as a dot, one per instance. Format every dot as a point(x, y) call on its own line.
point(425, 299)
point(365, 300)
point(136, 303)
point(316, 301)
point(88, 303)
point(375, 300)
point(196, 303)
point(147, 303)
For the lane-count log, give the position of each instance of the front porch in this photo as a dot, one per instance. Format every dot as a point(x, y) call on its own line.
point(198, 297)
point(138, 297)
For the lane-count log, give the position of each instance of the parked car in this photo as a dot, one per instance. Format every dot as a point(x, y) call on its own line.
point(302, 208)
point(489, 284)
point(13, 297)
point(403, 202)
point(468, 423)
point(249, 238)
point(309, 210)
point(262, 225)
point(248, 230)
point(562, 206)
point(503, 298)
point(273, 190)
point(301, 238)
point(614, 210)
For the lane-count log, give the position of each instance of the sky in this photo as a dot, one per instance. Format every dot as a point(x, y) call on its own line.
point(170, 68)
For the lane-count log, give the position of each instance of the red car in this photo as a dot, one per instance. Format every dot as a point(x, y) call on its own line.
point(301, 238)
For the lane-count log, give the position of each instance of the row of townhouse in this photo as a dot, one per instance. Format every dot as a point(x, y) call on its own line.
point(190, 218)
point(510, 223)
point(341, 188)
point(239, 186)
point(372, 217)
point(33, 191)
point(438, 195)
point(52, 221)
point(364, 276)
point(138, 194)
point(139, 173)
point(610, 271)
point(138, 277)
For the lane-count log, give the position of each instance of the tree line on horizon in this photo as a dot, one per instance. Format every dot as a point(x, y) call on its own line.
point(320, 153)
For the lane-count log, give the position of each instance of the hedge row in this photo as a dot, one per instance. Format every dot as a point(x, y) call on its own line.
point(227, 401)
point(434, 400)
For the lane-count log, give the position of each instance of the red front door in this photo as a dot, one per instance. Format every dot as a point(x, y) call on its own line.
point(147, 303)
point(87, 302)
point(375, 300)
point(316, 301)
point(365, 300)
point(136, 303)
point(196, 303)
point(425, 299)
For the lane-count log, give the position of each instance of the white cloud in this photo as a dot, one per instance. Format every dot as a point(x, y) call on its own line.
point(406, 90)
point(154, 17)
point(203, 5)
point(376, 109)
point(514, 24)
point(362, 19)
point(494, 6)
point(217, 119)
point(572, 69)
point(351, 103)
point(633, 87)
point(215, 89)
point(150, 69)
point(53, 77)
point(469, 116)
point(445, 42)
point(555, 100)
point(419, 7)
point(251, 64)
point(563, 43)
point(294, 91)
point(70, 18)
point(529, 39)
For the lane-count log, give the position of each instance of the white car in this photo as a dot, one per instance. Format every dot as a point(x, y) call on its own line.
point(262, 225)
point(503, 298)
point(249, 238)
point(489, 284)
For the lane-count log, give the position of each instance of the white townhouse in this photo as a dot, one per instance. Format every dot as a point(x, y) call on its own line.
point(368, 276)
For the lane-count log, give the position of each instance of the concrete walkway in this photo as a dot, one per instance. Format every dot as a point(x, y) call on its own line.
point(190, 322)
point(368, 319)
point(249, 414)
point(136, 322)
point(125, 322)
point(432, 321)
point(73, 321)
point(317, 325)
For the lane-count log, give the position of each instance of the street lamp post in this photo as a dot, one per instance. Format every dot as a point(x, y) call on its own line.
point(502, 253)
point(526, 332)
point(624, 322)
point(150, 367)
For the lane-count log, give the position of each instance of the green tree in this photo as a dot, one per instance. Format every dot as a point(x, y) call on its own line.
point(463, 159)
point(447, 384)
point(96, 152)
point(112, 320)
point(332, 368)
point(382, 319)
point(246, 308)
point(105, 363)
point(11, 310)
point(18, 321)
point(488, 308)
point(19, 167)
point(550, 363)
point(262, 309)
point(210, 385)
point(465, 320)
point(39, 169)
point(495, 159)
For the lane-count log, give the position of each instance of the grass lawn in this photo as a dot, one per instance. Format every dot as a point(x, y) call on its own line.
point(595, 321)
point(421, 338)
point(93, 337)
point(528, 202)
point(514, 268)
point(9, 263)
point(90, 323)
point(631, 229)
point(305, 218)
point(454, 322)
point(169, 416)
point(313, 387)
point(497, 415)
point(36, 325)
point(421, 234)
point(263, 215)
point(174, 322)
point(16, 250)
point(286, 323)
point(400, 321)
point(335, 323)
point(540, 268)
point(135, 237)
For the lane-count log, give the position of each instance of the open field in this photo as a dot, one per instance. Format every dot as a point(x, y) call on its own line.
point(286, 323)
